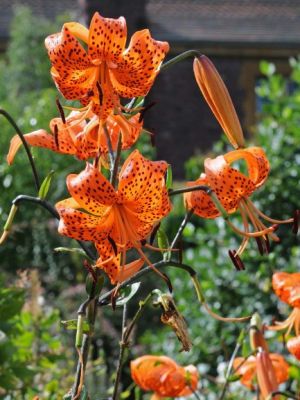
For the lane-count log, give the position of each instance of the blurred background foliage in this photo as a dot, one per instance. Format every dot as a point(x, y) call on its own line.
point(32, 319)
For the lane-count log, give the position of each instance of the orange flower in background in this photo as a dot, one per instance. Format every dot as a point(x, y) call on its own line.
point(116, 220)
point(81, 135)
point(106, 70)
point(287, 288)
point(233, 189)
point(270, 370)
point(293, 346)
point(218, 99)
point(163, 376)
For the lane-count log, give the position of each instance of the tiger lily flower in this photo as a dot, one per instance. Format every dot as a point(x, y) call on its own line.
point(287, 287)
point(82, 135)
point(106, 70)
point(218, 99)
point(116, 220)
point(270, 369)
point(164, 376)
point(233, 189)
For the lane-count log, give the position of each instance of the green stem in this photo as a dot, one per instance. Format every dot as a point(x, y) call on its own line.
point(288, 395)
point(181, 228)
point(110, 149)
point(121, 354)
point(187, 189)
point(180, 57)
point(28, 152)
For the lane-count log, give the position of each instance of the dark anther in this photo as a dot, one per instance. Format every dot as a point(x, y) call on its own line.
point(100, 93)
point(61, 110)
point(168, 282)
point(90, 270)
point(275, 227)
point(260, 246)
point(154, 232)
point(237, 262)
point(113, 245)
point(296, 222)
point(96, 160)
point(143, 242)
point(56, 136)
point(90, 93)
point(145, 109)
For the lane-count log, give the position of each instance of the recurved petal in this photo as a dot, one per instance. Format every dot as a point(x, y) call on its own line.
point(287, 287)
point(118, 273)
point(129, 129)
point(39, 138)
point(257, 163)
point(91, 190)
point(142, 187)
point(107, 39)
point(281, 367)
point(218, 99)
point(229, 184)
point(293, 346)
point(81, 226)
point(200, 201)
point(135, 73)
point(246, 369)
point(71, 70)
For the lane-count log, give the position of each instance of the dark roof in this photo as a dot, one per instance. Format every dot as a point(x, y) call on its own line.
point(41, 8)
point(259, 22)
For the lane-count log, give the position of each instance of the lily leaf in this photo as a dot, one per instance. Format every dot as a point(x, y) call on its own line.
point(45, 186)
point(169, 179)
point(163, 243)
point(127, 293)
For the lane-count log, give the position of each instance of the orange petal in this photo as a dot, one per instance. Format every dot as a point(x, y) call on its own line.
point(257, 163)
point(78, 30)
point(247, 370)
point(287, 287)
point(281, 367)
point(191, 380)
point(91, 190)
point(200, 201)
point(218, 99)
point(136, 72)
point(81, 226)
point(39, 138)
point(72, 71)
point(118, 273)
point(293, 346)
point(142, 187)
point(107, 38)
point(229, 184)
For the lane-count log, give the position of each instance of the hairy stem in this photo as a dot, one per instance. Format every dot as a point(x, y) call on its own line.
point(28, 152)
point(181, 228)
point(187, 189)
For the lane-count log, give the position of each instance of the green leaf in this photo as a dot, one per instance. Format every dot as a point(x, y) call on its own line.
point(45, 186)
point(127, 293)
point(163, 244)
point(71, 324)
point(233, 378)
point(125, 394)
point(169, 179)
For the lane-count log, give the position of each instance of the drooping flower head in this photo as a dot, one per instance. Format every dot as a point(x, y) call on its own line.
point(163, 376)
point(218, 99)
point(287, 288)
point(82, 135)
point(116, 220)
point(106, 70)
point(233, 189)
point(270, 370)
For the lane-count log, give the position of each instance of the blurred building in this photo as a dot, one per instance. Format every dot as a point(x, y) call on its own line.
point(235, 34)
